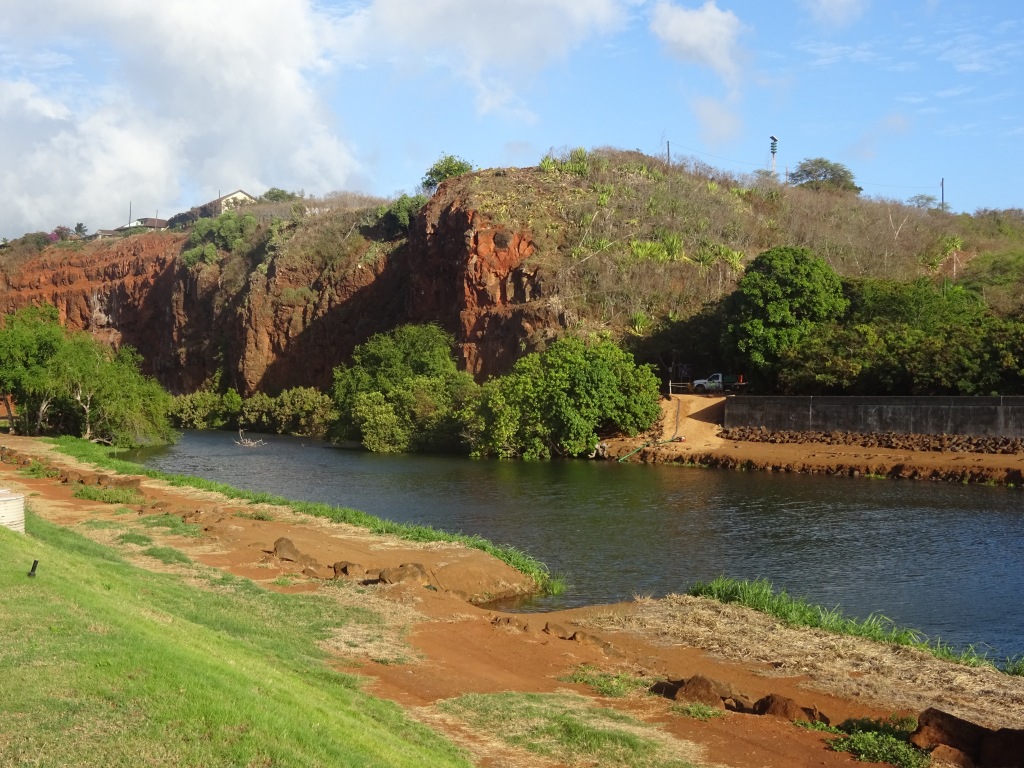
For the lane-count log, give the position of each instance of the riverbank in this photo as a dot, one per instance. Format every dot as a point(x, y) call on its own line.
point(435, 645)
point(697, 419)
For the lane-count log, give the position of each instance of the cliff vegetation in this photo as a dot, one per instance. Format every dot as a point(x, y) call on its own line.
point(646, 252)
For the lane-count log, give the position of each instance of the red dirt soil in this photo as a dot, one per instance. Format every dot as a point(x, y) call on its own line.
point(453, 646)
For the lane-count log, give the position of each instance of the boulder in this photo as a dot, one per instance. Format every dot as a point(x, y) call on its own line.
point(406, 572)
point(343, 568)
point(815, 715)
point(284, 549)
point(1002, 749)
point(701, 690)
point(737, 702)
point(776, 705)
point(316, 571)
point(951, 756)
point(935, 727)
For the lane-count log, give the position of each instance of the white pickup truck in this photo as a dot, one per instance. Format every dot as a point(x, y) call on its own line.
point(718, 382)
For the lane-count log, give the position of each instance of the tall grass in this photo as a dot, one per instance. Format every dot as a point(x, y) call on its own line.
point(83, 450)
point(797, 612)
point(108, 664)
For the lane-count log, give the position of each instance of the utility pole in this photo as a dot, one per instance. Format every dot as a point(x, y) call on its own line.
point(775, 148)
point(942, 186)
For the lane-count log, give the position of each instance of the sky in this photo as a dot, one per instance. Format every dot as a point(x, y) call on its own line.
point(114, 108)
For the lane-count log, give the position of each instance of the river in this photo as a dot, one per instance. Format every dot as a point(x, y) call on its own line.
point(945, 559)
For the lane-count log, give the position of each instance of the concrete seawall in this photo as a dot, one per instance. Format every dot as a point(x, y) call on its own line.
point(981, 416)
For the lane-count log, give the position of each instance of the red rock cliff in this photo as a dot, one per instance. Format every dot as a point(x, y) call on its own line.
point(475, 279)
point(292, 321)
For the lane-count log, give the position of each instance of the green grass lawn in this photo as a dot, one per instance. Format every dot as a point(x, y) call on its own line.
point(102, 663)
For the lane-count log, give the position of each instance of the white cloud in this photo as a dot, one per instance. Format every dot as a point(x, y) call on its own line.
point(706, 36)
point(719, 123)
point(883, 130)
point(836, 12)
point(829, 54)
point(114, 100)
point(491, 45)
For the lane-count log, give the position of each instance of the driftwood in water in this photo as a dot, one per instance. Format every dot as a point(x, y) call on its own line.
point(246, 442)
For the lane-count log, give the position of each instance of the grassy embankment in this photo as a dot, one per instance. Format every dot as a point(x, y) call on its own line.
point(105, 457)
point(797, 612)
point(107, 664)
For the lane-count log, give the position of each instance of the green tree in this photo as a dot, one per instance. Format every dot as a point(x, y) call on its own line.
point(29, 339)
point(81, 230)
point(303, 411)
point(202, 409)
point(278, 195)
point(783, 295)
point(131, 409)
point(560, 402)
point(445, 168)
point(819, 173)
point(402, 391)
point(905, 339)
point(69, 383)
point(925, 202)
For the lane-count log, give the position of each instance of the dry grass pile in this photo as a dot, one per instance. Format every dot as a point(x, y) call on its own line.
point(894, 677)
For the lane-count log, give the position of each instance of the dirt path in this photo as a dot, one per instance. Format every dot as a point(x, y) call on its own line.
point(437, 644)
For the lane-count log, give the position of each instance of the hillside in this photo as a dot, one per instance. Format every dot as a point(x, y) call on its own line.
point(505, 259)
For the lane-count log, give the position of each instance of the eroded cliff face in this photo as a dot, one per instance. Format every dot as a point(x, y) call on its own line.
point(125, 291)
point(476, 280)
point(292, 321)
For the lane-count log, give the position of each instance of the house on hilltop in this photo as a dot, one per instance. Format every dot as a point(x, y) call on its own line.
point(153, 225)
point(212, 209)
point(230, 201)
point(150, 223)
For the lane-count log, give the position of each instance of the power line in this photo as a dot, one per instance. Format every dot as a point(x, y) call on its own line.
point(718, 157)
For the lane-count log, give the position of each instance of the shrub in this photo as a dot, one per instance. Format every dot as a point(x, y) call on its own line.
point(402, 391)
point(302, 411)
point(228, 232)
point(447, 167)
point(395, 218)
point(881, 741)
point(561, 401)
point(198, 410)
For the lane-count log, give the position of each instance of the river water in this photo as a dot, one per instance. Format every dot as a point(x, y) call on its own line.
point(945, 559)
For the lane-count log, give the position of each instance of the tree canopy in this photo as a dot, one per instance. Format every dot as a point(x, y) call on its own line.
point(784, 293)
point(278, 195)
point(819, 173)
point(906, 339)
point(402, 391)
point(70, 383)
point(445, 168)
point(561, 401)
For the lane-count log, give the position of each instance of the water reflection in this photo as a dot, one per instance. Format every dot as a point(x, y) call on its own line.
point(947, 559)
